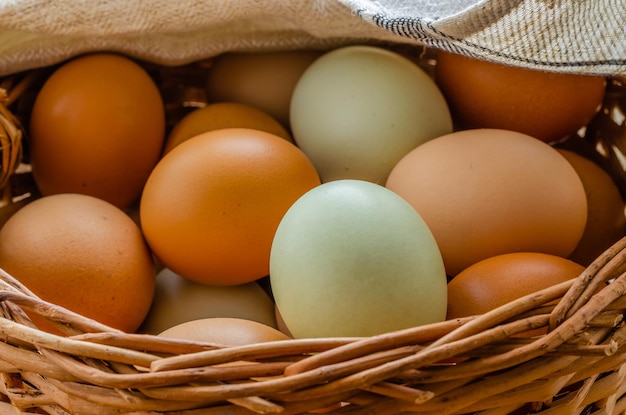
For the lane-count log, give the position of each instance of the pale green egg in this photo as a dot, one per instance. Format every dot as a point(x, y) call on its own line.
point(352, 258)
point(357, 110)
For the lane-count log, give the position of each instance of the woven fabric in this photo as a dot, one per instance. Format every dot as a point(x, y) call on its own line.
point(584, 36)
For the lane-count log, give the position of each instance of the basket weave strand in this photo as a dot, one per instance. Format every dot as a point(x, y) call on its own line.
point(10, 137)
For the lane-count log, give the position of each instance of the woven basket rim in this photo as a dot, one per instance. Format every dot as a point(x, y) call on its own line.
point(323, 368)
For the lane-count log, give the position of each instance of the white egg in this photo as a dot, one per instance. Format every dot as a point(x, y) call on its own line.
point(357, 110)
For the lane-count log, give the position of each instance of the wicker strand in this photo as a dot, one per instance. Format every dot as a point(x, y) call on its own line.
point(11, 131)
point(517, 377)
point(208, 375)
point(605, 267)
point(248, 352)
point(42, 339)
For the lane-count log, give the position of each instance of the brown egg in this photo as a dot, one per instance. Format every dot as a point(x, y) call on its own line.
point(97, 128)
point(486, 192)
point(223, 115)
point(498, 280)
point(211, 206)
point(225, 331)
point(546, 105)
point(606, 222)
point(264, 80)
point(82, 253)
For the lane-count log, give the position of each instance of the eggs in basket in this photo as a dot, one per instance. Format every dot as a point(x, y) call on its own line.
point(312, 194)
point(226, 194)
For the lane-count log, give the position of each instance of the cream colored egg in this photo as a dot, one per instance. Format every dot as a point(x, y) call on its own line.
point(264, 80)
point(178, 300)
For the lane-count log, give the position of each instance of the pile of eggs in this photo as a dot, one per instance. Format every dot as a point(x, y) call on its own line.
point(337, 193)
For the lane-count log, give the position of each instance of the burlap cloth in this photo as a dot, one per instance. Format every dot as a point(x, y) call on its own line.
point(584, 36)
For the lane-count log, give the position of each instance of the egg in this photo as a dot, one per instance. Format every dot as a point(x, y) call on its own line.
point(264, 80)
point(486, 192)
point(179, 299)
point(351, 258)
point(221, 115)
point(97, 127)
point(81, 253)
point(501, 279)
point(358, 109)
point(211, 206)
point(280, 323)
point(606, 222)
point(225, 331)
point(546, 105)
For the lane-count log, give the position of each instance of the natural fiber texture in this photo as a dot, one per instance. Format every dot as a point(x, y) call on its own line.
point(10, 132)
point(471, 365)
point(585, 36)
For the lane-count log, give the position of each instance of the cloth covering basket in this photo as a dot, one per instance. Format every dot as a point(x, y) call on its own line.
point(475, 365)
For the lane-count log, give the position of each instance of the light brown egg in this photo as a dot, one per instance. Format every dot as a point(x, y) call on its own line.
point(225, 331)
point(264, 80)
point(82, 253)
point(606, 222)
point(486, 192)
point(222, 115)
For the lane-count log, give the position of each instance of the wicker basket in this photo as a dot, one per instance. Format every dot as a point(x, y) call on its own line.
point(474, 365)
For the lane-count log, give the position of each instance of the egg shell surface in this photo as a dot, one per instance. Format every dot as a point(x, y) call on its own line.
point(84, 254)
point(351, 258)
point(502, 279)
point(264, 80)
point(486, 192)
point(211, 206)
point(221, 115)
point(357, 110)
point(225, 331)
point(97, 128)
point(178, 299)
point(546, 105)
point(606, 221)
